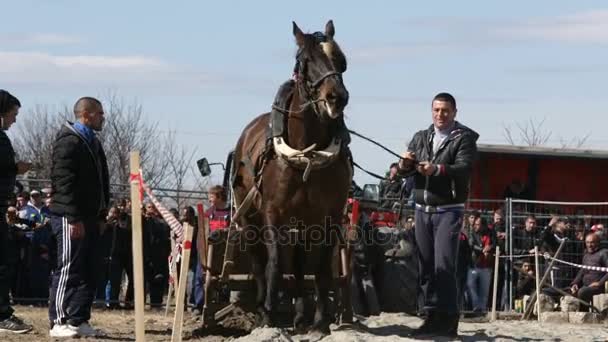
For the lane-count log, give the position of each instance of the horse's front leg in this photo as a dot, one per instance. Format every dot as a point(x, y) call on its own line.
point(299, 322)
point(271, 240)
point(323, 280)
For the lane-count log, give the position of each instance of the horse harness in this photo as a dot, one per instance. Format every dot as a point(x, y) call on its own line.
point(307, 159)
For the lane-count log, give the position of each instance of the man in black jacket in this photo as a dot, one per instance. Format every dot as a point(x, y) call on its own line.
point(9, 108)
point(444, 153)
point(589, 283)
point(80, 196)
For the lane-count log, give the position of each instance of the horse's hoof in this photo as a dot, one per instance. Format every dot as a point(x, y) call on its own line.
point(299, 324)
point(264, 321)
point(321, 328)
point(316, 335)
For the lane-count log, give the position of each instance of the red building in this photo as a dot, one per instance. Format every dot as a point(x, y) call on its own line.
point(549, 174)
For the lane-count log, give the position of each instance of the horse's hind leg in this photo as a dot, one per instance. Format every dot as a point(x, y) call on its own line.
point(257, 254)
point(271, 240)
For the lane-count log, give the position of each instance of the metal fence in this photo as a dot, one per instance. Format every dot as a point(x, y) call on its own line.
point(573, 221)
point(170, 197)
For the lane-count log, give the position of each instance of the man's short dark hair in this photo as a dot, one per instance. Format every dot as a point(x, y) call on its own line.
point(446, 97)
point(7, 102)
point(394, 165)
point(86, 103)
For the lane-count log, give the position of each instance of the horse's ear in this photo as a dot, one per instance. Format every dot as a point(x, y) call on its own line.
point(330, 30)
point(298, 34)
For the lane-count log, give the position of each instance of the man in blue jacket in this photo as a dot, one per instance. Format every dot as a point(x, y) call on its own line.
point(80, 197)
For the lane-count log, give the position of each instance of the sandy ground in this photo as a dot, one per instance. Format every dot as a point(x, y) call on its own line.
point(119, 326)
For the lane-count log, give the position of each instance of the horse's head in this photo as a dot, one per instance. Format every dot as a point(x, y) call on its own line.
point(321, 68)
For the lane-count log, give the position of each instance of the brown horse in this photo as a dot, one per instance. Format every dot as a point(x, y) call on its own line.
point(300, 181)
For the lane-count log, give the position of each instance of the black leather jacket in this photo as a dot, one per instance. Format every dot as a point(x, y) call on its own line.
point(8, 172)
point(455, 157)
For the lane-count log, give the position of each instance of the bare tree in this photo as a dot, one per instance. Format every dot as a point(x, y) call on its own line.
point(531, 133)
point(574, 142)
point(126, 130)
point(180, 163)
point(35, 135)
point(535, 134)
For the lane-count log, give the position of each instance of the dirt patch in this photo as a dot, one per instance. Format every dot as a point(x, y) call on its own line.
point(120, 326)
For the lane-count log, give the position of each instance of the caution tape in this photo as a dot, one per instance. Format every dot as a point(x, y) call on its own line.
point(585, 267)
point(176, 228)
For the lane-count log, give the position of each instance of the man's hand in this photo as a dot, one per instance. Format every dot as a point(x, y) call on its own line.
point(487, 249)
point(595, 284)
point(574, 289)
point(426, 168)
point(76, 231)
point(553, 221)
point(531, 251)
point(407, 161)
point(501, 235)
point(23, 167)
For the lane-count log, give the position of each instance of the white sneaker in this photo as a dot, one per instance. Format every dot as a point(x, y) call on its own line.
point(85, 329)
point(63, 330)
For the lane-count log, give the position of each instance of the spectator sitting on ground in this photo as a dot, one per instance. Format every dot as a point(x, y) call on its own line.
point(525, 284)
point(589, 283)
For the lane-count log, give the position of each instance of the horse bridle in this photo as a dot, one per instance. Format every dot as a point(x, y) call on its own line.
point(311, 87)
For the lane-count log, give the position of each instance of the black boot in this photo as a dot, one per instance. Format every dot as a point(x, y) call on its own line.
point(428, 326)
point(447, 325)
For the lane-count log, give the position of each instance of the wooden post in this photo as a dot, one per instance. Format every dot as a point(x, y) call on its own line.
point(495, 287)
point(536, 261)
point(181, 290)
point(138, 264)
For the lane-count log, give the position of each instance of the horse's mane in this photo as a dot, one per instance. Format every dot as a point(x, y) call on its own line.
point(330, 48)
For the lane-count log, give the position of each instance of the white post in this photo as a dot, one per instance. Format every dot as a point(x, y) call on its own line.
point(537, 266)
point(495, 289)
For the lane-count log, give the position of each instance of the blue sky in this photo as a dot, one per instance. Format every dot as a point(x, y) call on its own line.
point(205, 69)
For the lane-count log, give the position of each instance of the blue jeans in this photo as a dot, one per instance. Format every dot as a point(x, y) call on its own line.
point(478, 284)
point(199, 287)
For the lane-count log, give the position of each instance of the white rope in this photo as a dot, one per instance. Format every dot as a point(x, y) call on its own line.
point(557, 203)
point(514, 256)
point(585, 267)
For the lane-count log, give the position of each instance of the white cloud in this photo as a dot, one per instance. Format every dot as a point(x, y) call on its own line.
point(429, 35)
point(144, 73)
point(583, 27)
point(38, 39)
point(32, 66)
